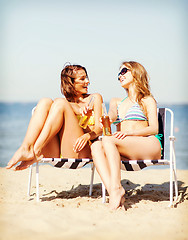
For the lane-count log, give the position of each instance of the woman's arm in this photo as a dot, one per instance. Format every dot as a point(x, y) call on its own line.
point(151, 109)
point(113, 109)
point(94, 131)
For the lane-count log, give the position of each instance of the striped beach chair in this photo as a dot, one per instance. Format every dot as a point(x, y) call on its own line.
point(131, 165)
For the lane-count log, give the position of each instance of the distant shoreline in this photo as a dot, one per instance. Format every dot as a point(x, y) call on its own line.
point(35, 101)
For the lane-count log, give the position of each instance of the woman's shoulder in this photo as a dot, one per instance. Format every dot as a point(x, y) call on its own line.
point(116, 100)
point(96, 96)
point(149, 100)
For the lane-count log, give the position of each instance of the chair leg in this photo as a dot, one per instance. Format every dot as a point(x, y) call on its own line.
point(175, 175)
point(171, 174)
point(29, 182)
point(37, 181)
point(103, 193)
point(92, 177)
point(171, 188)
point(175, 185)
point(173, 171)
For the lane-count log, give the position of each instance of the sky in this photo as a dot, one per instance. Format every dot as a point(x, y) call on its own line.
point(39, 37)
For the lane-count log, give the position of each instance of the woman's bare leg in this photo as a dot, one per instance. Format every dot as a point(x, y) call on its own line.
point(116, 190)
point(25, 152)
point(101, 163)
point(132, 148)
point(69, 133)
point(60, 120)
point(52, 149)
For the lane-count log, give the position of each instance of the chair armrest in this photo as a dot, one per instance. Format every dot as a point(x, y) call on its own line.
point(172, 138)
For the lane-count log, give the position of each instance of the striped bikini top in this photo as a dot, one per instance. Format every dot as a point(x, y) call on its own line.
point(134, 113)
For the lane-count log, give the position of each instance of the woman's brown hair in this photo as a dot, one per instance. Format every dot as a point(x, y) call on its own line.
point(68, 74)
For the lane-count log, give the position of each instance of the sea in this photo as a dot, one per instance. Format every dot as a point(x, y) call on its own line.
point(15, 117)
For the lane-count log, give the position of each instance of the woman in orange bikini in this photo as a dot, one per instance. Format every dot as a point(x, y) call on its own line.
point(137, 128)
point(54, 129)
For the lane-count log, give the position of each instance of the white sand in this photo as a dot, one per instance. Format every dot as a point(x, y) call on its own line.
point(67, 212)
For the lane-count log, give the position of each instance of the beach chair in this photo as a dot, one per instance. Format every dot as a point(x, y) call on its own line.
point(132, 165)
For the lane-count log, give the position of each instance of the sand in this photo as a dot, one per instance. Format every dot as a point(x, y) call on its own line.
point(65, 210)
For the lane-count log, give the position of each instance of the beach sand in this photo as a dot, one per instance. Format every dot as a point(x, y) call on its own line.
point(65, 210)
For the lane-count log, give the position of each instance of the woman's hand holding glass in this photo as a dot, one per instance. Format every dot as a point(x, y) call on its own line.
point(84, 110)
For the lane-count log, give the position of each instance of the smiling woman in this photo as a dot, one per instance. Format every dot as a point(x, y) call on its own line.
point(54, 129)
point(137, 127)
point(73, 82)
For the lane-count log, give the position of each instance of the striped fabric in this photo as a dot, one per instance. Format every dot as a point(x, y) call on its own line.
point(135, 113)
point(136, 165)
point(74, 163)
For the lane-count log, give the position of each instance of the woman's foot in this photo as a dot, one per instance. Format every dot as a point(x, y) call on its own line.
point(117, 198)
point(25, 164)
point(22, 154)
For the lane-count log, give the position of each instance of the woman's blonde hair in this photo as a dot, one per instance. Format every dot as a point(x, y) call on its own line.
point(68, 74)
point(140, 78)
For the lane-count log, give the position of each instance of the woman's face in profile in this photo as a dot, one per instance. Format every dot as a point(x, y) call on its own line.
point(125, 76)
point(81, 82)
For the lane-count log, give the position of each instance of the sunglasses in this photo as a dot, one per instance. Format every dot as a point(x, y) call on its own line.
point(123, 72)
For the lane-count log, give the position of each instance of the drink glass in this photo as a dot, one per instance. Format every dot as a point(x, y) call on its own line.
point(106, 125)
point(85, 119)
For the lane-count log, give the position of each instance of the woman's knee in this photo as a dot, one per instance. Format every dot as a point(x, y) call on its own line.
point(45, 102)
point(96, 147)
point(60, 104)
point(107, 140)
point(43, 106)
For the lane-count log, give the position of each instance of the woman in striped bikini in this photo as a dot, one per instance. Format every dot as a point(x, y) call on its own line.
point(137, 126)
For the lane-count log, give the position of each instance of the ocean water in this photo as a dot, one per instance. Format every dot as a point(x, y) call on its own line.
point(14, 119)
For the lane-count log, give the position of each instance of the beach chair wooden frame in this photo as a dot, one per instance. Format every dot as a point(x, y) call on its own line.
point(131, 165)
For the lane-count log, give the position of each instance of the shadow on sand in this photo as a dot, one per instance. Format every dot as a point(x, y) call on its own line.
point(134, 193)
